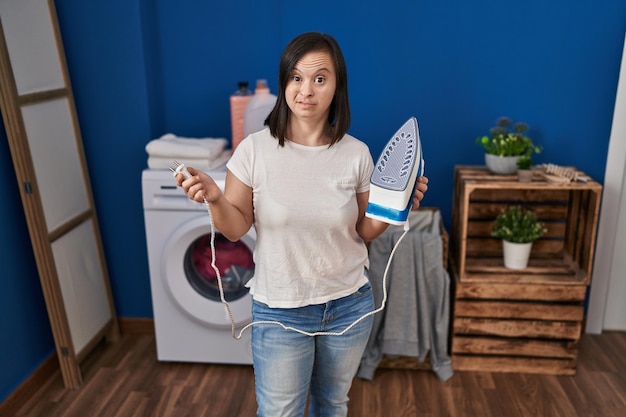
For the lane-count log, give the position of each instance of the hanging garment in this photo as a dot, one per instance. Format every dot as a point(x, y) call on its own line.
point(417, 314)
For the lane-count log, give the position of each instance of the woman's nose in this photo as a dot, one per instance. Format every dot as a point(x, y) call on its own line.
point(306, 88)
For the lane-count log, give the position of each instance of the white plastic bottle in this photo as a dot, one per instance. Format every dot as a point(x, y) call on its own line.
point(238, 103)
point(258, 108)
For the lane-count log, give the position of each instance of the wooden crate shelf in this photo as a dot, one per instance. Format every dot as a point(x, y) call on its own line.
point(515, 364)
point(569, 212)
point(526, 320)
point(516, 327)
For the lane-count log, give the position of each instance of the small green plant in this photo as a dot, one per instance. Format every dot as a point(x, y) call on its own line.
point(524, 162)
point(508, 139)
point(517, 225)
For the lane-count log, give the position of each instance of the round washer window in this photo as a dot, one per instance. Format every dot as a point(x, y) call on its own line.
point(233, 260)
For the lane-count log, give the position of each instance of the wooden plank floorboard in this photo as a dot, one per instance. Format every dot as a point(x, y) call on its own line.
point(124, 379)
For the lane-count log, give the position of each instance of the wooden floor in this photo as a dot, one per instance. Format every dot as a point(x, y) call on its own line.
point(125, 380)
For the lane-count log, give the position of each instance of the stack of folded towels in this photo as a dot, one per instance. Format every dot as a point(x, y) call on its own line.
point(206, 154)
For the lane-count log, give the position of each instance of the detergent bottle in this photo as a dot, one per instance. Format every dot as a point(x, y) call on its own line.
point(259, 107)
point(238, 103)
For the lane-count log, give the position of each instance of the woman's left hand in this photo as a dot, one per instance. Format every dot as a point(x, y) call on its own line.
point(420, 190)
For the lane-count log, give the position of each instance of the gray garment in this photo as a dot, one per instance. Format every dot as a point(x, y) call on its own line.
point(417, 313)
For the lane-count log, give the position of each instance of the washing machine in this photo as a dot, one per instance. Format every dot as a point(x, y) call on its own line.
point(191, 322)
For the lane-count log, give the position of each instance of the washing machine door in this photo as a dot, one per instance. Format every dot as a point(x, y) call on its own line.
point(192, 282)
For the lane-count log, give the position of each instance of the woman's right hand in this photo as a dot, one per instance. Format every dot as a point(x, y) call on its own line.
point(233, 215)
point(199, 186)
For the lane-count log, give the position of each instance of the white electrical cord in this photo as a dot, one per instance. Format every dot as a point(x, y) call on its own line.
point(181, 169)
point(232, 320)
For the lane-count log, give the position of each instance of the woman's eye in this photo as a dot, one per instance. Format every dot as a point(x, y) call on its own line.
point(320, 80)
point(296, 78)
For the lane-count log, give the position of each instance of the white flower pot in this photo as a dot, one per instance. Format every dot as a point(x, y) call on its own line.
point(516, 255)
point(501, 164)
point(525, 175)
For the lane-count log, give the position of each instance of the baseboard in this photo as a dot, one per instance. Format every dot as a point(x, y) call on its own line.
point(27, 389)
point(130, 325)
point(46, 370)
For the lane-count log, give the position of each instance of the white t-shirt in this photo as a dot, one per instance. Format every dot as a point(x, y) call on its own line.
point(305, 213)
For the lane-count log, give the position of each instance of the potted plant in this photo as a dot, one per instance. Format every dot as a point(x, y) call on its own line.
point(524, 168)
point(518, 228)
point(505, 144)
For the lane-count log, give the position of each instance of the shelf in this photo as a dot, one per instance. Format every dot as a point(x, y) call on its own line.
point(527, 320)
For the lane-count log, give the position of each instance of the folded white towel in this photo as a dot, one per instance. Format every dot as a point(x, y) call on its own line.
point(204, 164)
point(171, 146)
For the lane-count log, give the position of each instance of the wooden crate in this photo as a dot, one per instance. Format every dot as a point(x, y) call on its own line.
point(516, 327)
point(528, 320)
point(564, 255)
point(404, 362)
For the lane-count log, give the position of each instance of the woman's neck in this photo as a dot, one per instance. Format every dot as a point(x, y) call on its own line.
point(308, 134)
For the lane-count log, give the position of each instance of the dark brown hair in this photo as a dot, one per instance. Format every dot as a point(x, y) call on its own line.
point(339, 114)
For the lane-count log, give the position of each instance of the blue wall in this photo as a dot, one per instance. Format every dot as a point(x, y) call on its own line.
point(141, 68)
point(25, 334)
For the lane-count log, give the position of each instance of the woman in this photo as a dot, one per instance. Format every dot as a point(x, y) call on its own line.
point(303, 182)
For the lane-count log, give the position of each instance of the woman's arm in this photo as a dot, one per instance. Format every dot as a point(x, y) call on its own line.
point(232, 210)
point(368, 228)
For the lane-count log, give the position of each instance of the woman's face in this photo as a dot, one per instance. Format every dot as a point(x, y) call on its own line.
point(311, 86)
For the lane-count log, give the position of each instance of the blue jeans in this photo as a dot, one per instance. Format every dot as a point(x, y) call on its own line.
point(288, 364)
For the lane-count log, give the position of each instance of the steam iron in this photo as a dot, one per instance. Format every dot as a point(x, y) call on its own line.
point(393, 181)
